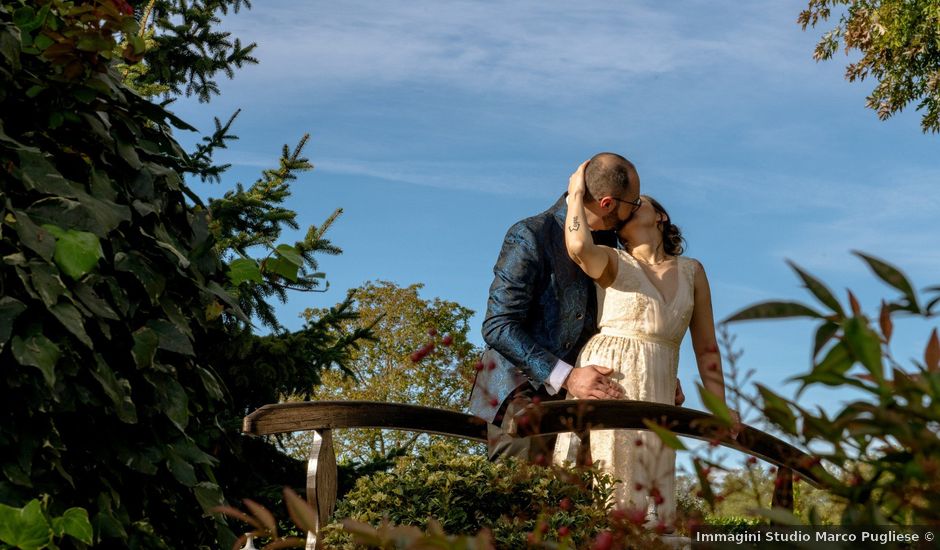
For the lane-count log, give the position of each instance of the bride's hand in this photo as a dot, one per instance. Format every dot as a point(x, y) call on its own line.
point(576, 185)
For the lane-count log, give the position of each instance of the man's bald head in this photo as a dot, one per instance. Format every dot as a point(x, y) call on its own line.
point(611, 175)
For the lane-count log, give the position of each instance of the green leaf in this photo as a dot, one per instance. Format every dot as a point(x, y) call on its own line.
point(893, 277)
point(715, 405)
point(74, 523)
point(76, 252)
point(210, 383)
point(117, 389)
point(42, 42)
point(25, 527)
point(183, 471)
point(46, 282)
point(778, 410)
point(138, 266)
point(290, 254)
point(208, 495)
point(37, 351)
point(865, 346)
point(145, 347)
point(282, 267)
point(33, 236)
point(773, 310)
point(824, 334)
point(175, 403)
point(838, 360)
point(819, 290)
point(90, 299)
point(665, 434)
point(171, 338)
point(243, 269)
point(704, 483)
point(10, 309)
point(71, 319)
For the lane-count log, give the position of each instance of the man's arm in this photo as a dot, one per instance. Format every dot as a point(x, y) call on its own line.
point(511, 294)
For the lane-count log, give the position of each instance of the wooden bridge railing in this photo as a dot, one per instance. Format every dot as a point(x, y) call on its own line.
point(551, 417)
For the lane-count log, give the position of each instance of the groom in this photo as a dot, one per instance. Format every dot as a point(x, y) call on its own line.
point(542, 309)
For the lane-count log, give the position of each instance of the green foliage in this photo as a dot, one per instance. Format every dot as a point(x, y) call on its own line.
point(253, 218)
point(108, 271)
point(899, 43)
point(118, 323)
point(466, 493)
point(882, 453)
point(31, 527)
point(190, 50)
point(389, 368)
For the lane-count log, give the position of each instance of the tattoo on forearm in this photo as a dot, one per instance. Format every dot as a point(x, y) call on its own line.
point(575, 225)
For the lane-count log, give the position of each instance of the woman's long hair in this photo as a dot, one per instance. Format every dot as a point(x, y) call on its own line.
point(673, 243)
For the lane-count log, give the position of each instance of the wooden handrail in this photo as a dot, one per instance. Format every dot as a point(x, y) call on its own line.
point(553, 417)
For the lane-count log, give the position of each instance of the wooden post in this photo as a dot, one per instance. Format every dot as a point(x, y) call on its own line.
point(783, 489)
point(321, 483)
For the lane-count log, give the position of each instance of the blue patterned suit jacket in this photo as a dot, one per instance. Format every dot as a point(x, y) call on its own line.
point(541, 308)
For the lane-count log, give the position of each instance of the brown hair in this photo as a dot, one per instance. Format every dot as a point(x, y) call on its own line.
point(673, 242)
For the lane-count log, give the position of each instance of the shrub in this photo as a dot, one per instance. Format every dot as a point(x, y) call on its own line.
point(466, 494)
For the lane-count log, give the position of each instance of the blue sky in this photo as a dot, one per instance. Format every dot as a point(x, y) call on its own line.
point(436, 125)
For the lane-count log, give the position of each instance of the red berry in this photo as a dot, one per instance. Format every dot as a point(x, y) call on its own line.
point(638, 486)
point(523, 421)
point(699, 493)
point(603, 541)
point(712, 348)
point(712, 366)
point(493, 402)
point(719, 498)
point(714, 442)
point(478, 366)
point(536, 400)
point(491, 366)
point(432, 332)
point(565, 504)
point(617, 515)
point(447, 340)
point(752, 460)
point(638, 442)
point(660, 527)
point(796, 478)
point(563, 532)
point(540, 459)
point(415, 357)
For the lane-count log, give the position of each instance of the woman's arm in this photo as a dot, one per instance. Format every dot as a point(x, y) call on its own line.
point(593, 259)
point(704, 342)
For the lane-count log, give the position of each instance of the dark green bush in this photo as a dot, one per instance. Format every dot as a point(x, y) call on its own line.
point(468, 493)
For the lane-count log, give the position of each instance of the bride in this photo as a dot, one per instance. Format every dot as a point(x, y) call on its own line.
point(648, 296)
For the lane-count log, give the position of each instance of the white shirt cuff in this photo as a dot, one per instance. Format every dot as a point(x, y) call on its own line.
point(557, 378)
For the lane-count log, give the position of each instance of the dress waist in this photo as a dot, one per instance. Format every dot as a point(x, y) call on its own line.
point(633, 335)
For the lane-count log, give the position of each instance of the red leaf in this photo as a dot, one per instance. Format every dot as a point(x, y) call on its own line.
point(856, 309)
point(887, 327)
point(932, 353)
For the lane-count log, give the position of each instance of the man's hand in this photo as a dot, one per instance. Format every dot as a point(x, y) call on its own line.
point(680, 397)
point(592, 382)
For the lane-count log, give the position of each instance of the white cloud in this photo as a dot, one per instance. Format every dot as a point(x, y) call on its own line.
point(531, 48)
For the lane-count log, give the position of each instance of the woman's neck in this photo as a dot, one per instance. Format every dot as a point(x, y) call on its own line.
point(647, 248)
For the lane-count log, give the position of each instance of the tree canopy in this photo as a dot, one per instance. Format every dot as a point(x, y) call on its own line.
point(899, 46)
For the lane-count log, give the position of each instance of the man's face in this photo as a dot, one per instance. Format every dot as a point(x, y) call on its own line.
point(620, 209)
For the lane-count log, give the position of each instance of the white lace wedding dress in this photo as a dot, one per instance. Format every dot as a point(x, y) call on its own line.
point(639, 338)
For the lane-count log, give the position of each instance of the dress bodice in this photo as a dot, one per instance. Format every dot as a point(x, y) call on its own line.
point(632, 306)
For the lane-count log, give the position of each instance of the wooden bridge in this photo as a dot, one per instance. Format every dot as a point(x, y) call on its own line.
point(322, 417)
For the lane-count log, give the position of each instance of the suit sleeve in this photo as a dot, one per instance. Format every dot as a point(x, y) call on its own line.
point(511, 295)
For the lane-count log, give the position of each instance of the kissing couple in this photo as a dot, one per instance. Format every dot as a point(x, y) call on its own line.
point(590, 300)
